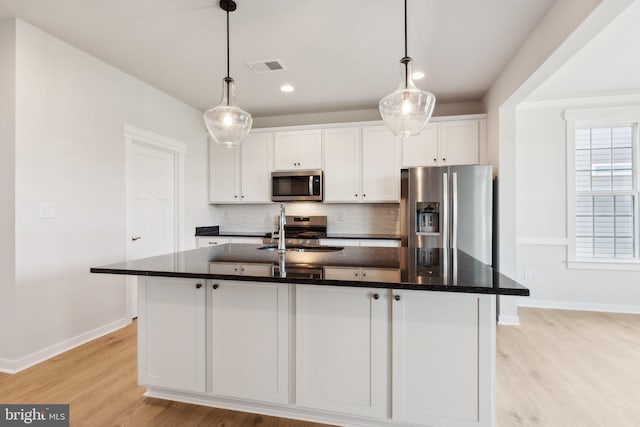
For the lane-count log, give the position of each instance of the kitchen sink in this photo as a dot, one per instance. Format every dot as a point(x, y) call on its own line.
point(303, 248)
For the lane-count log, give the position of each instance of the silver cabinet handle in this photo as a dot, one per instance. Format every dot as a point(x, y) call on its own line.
point(133, 239)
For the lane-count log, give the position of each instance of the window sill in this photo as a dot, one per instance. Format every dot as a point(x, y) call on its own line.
point(604, 264)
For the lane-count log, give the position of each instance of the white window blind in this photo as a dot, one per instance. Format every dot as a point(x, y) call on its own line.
point(606, 194)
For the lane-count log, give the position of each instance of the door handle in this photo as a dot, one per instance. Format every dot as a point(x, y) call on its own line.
point(133, 239)
point(444, 223)
point(311, 185)
point(454, 210)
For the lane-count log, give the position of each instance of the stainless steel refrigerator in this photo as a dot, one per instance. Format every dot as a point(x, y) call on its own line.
point(450, 207)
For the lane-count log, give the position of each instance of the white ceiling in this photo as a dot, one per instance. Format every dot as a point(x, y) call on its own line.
point(339, 54)
point(608, 64)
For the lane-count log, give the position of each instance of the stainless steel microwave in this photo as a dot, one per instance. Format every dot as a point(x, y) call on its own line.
point(296, 186)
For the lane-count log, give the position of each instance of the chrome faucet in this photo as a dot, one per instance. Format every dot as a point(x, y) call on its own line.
point(281, 234)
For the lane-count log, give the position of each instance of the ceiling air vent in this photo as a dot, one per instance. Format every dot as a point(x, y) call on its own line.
point(266, 66)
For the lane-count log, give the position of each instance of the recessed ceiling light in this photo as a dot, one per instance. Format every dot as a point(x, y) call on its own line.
point(418, 75)
point(287, 88)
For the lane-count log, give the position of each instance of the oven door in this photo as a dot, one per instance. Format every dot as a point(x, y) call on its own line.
point(296, 186)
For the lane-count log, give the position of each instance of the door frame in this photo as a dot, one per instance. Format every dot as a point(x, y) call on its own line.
point(134, 135)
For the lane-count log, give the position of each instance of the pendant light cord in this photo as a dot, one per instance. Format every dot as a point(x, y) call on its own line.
point(228, 44)
point(405, 28)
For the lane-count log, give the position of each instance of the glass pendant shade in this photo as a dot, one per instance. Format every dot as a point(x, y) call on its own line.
point(407, 110)
point(227, 123)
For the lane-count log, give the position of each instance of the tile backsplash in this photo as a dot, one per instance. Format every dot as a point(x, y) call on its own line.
point(341, 218)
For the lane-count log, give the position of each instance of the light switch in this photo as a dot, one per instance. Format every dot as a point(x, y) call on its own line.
point(47, 210)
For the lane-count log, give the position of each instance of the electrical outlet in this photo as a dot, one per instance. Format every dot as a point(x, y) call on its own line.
point(47, 210)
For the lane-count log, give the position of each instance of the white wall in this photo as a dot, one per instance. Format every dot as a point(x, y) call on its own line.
point(7, 187)
point(564, 30)
point(341, 218)
point(541, 223)
point(70, 112)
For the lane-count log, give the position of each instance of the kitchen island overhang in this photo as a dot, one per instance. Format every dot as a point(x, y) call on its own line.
point(362, 336)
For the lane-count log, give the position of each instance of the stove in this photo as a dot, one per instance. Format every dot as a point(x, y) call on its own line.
point(301, 230)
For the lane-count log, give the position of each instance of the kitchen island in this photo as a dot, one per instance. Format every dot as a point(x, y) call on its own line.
point(355, 336)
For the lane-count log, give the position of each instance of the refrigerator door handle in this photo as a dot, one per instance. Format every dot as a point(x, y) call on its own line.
point(444, 223)
point(454, 210)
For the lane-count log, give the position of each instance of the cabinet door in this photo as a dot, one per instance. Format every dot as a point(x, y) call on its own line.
point(256, 168)
point(342, 273)
point(202, 242)
point(257, 269)
point(459, 142)
point(342, 174)
point(435, 358)
point(223, 174)
point(342, 353)
point(381, 243)
point(171, 333)
point(285, 150)
point(380, 166)
point(230, 268)
point(250, 337)
point(385, 275)
point(310, 149)
point(421, 150)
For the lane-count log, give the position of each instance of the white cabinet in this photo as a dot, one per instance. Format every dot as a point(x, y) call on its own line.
point(245, 269)
point(441, 359)
point(298, 150)
point(250, 340)
point(385, 275)
point(341, 349)
point(171, 333)
point(361, 165)
point(380, 165)
point(204, 241)
point(242, 174)
point(449, 142)
point(390, 243)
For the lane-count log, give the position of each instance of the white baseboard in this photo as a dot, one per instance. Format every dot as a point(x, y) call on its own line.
point(509, 320)
point(15, 366)
point(7, 366)
point(580, 306)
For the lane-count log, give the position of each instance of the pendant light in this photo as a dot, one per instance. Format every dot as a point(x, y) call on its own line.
point(227, 123)
point(407, 110)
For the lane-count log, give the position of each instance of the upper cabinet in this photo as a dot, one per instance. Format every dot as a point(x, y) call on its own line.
point(298, 150)
point(242, 174)
point(361, 165)
point(447, 142)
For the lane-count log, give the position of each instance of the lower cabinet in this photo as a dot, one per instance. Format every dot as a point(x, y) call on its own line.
point(172, 333)
point(250, 340)
point(379, 356)
point(342, 355)
point(442, 358)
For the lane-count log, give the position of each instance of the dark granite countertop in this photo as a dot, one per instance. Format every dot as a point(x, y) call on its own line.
point(428, 269)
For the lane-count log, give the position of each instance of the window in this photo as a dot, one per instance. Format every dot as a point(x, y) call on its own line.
point(603, 187)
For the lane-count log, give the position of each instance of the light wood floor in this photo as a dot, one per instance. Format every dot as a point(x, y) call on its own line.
point(560, 368)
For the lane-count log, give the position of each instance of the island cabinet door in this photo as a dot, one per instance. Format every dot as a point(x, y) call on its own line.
point(171, 333)
point(250, 340)
point(443, 358)
point(342, 349)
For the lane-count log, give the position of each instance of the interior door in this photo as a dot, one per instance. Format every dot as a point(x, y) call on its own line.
point(151, 206)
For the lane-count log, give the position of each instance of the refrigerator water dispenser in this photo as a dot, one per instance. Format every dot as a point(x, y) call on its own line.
point(427, 217)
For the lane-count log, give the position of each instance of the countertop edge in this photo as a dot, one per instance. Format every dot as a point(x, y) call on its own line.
point(323, 282)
